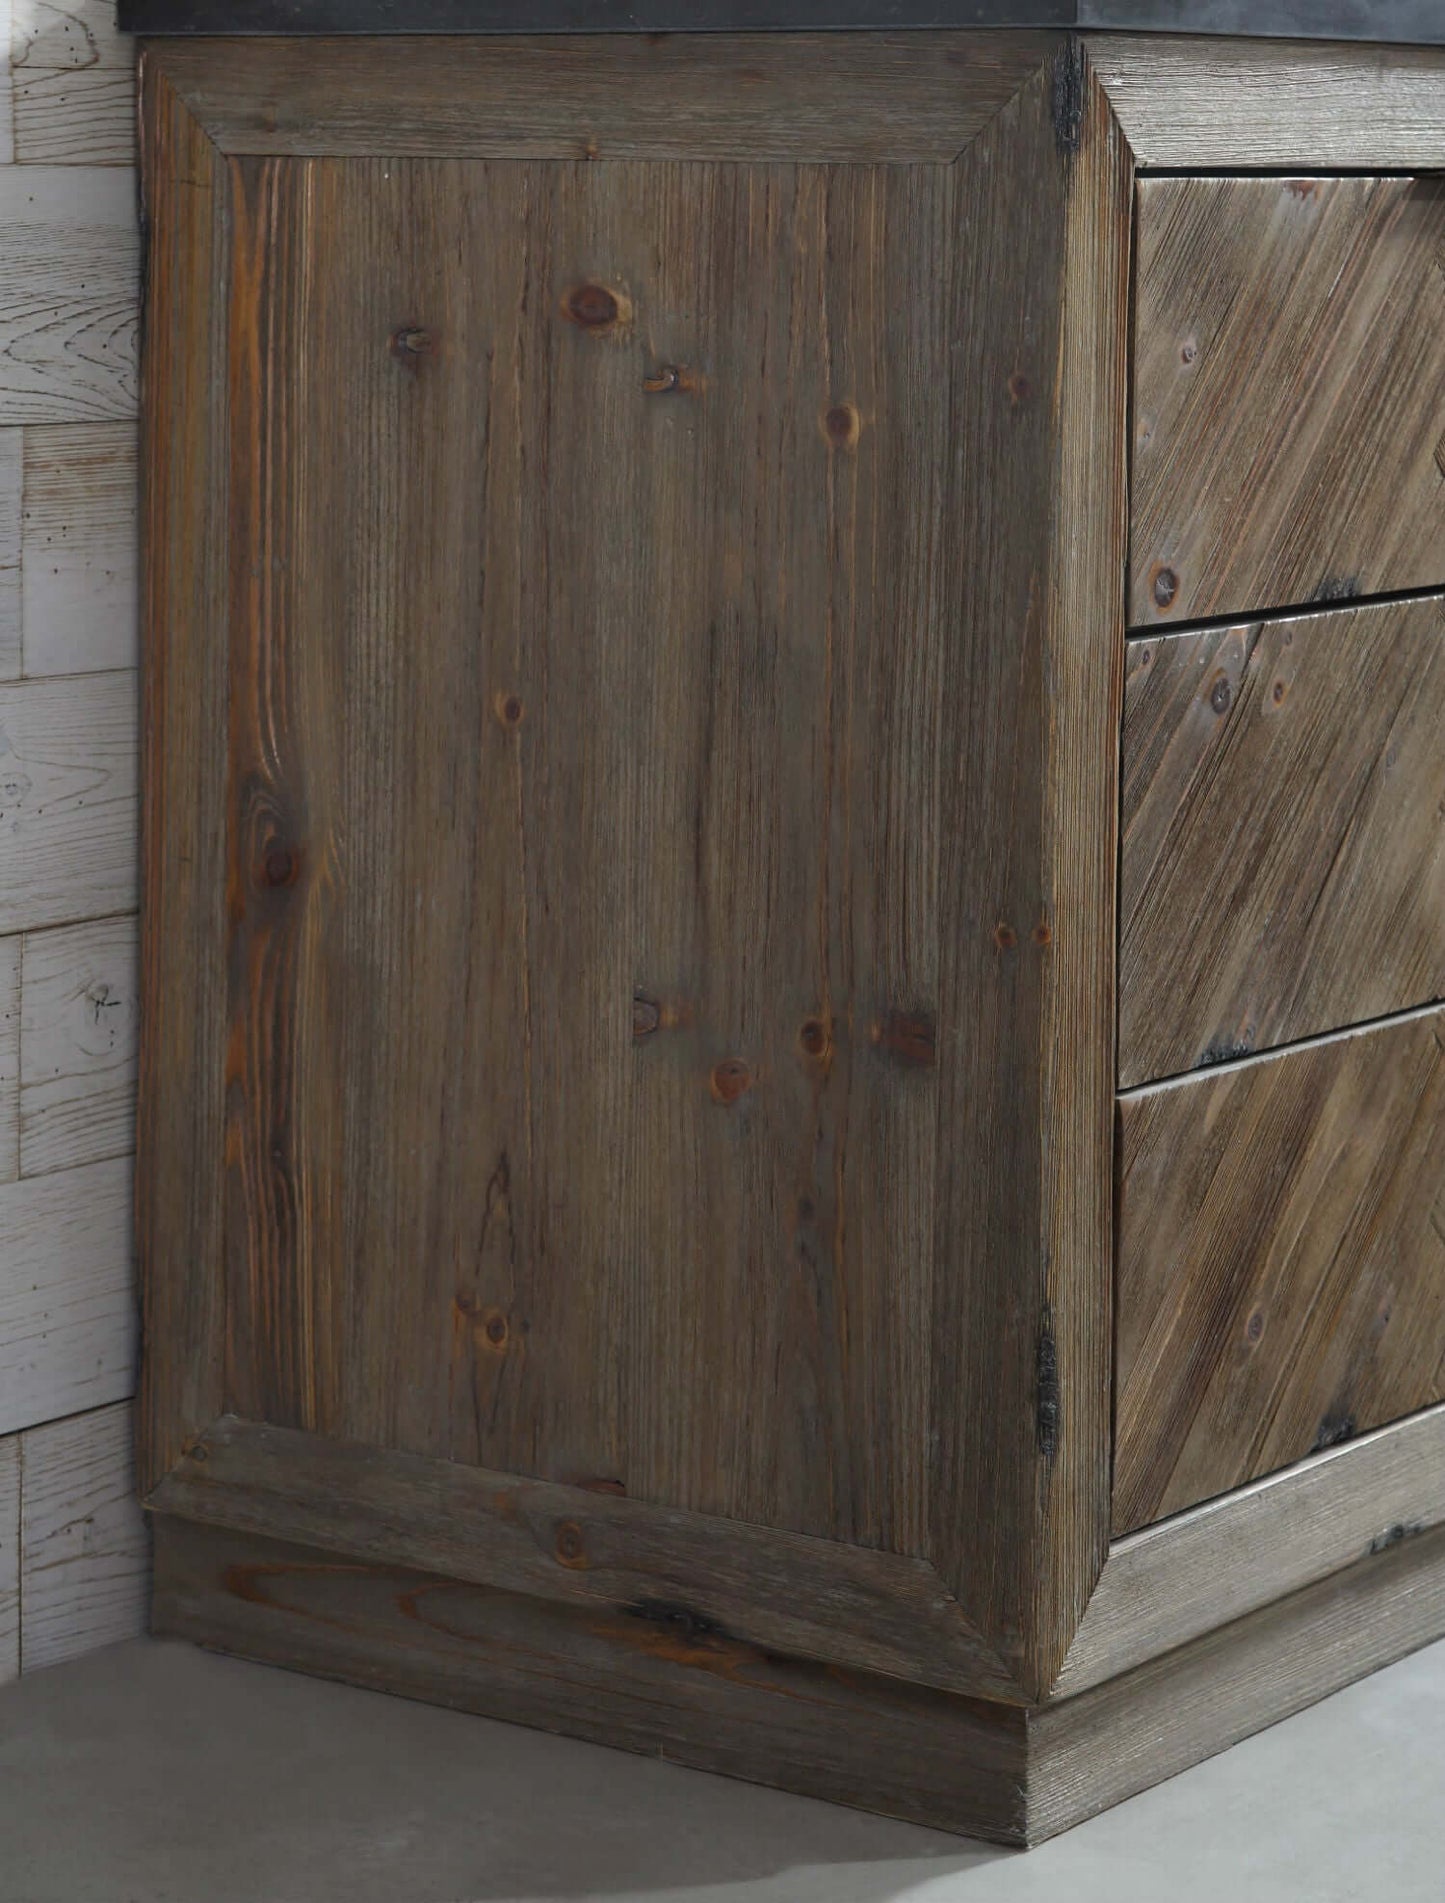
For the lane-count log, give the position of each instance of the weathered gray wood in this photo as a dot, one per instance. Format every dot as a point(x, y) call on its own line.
point(67, 1294)
point(178, 1216)
point(1172, 1583)
point(812, 1598)
point(72, 76)
point(1289, 393)
point(67, 799)
point(883, 98)
point(79, 1026)
point(1189, 103)
point(642, 1677)
point(1281, 1268)
point(9, 1558)
point(12, 461)
point(80, 548)
point(1026, 1003)
point(69, 36)
point(1283, 862)
point(10, 949)
point(68, 307)
point(1087, 1753)
point(84, 1546)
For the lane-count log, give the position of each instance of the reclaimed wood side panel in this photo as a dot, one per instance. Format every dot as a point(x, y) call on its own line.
point(866, 98)
point(183, 723)
point(1283, 863)
point(671, 899)
point(1281, 1281)
point(1289, 393)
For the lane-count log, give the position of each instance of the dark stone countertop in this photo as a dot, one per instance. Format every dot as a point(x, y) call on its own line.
point(1418, 22)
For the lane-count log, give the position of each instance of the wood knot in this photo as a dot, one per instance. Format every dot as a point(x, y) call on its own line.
point(509, 709)
point(813, 1039)
point(1019, 389)
point(410, 341)
point(730, 1080)
point(280, 867)
point(842, 425)
point(494, 1327)
point(1004, 935)
point(1165, 587)
point(571, 1548)
point(1221, 696)
point(672, 379)
point(594, 307)
point(646, 1015)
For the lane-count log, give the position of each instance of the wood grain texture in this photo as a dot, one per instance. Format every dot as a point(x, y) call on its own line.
point(1027, 973)
point(1289, 393)
point(809, 1598)
point(1090, 1752)
point(1283, 862)
point(1281, 1280)
point(67, 1293)
point(183, 717)
point(9, 1059)
point(72, 80)
point(67, 798)
point(69, 262)
point(12, 480)
point(873, 98)
point(70, 117)
point(1189, 103)
point(80, 552)
point(1170, 1584)
point(68, 35)
point(638, 1678)
point(79, 1030)
point(84, 1545)
point(9, 1558)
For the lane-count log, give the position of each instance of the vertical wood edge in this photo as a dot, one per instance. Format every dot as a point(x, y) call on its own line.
point(182, 535)
point(1086, 687)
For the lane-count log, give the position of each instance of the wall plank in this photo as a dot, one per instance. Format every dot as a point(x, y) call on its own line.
point(79, 1019)
point(67, 799)
point(7, 139)
point(67, 33)
point(84, 1551)
point(12, 458)
point(79, 548)
point(9, 1059)
point(74, 117)
point(67, 1323)
point(9, 1558)
point(69, 269)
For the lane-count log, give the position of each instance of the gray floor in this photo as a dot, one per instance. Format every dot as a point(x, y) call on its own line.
point(152, 1773)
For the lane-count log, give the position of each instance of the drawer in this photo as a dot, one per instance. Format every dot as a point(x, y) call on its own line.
point(1281, 1267)
point(1282, 870)
point(1289, 393)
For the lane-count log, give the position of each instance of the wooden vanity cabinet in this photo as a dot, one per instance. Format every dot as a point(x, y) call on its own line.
point(791, 1099)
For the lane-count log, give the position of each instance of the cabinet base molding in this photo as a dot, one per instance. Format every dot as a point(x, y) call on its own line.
point(646, 1677)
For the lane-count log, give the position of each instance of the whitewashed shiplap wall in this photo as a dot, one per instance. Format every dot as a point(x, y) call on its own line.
point(72, 1556)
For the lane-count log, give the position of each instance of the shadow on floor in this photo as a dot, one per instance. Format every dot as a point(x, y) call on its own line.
point(156, 1773)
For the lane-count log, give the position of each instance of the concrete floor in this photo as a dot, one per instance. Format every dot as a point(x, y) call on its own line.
point(153, 1773)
